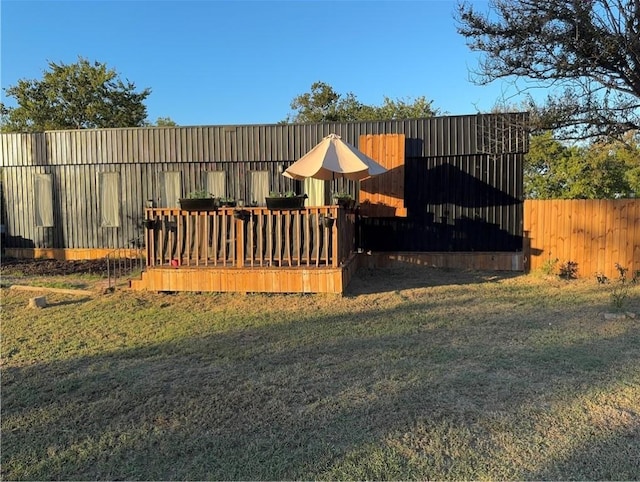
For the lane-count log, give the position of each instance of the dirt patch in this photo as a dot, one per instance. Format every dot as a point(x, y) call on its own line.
point(52, 267)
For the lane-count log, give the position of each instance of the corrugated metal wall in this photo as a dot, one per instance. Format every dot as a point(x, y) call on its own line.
point(455, 203)
point(139, 155)
point(437, 136)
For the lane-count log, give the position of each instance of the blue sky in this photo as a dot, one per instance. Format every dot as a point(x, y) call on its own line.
point(243, 62)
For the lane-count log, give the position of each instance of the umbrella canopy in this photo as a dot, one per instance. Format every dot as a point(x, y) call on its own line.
point(333, 158)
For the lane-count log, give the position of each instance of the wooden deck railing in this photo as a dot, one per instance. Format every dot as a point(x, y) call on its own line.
point(249, 237)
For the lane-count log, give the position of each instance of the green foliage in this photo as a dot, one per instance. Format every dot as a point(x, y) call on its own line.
point(324, 104)
point(227, 201)
point(199, 194)
point(621, 290)
point(285, 194)
point(165, 122)
point(82, 95)
point(549, 266)
point(583, 52)
point(343, 195)
point(602, 169)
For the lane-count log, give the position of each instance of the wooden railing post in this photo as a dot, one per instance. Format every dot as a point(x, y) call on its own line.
point(338, 225)
point(239, 251)
point(149, 238)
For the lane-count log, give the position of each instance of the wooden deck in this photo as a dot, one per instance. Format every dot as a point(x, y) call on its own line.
point(308, 250)
point(248, 279)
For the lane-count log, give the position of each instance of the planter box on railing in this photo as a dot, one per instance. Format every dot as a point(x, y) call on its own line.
point(346, 203)
point(292, 202)
point(199, 204)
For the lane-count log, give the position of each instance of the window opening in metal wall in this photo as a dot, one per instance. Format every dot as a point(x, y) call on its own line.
point(315, 189)
point(259, 188)
point(215, 184)
point(43, 195)
point(170, 189)
point(109, 183)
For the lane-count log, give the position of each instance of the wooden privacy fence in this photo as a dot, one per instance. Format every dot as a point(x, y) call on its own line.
point(249, 237)
point(595, 234)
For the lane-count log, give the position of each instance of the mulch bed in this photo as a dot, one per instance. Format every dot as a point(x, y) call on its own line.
point(53, 267)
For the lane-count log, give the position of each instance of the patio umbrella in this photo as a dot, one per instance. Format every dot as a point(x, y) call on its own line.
point(334, 158)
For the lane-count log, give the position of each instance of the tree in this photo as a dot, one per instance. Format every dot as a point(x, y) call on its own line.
point(603, 169)
point(165, 122)
point(324, 104)
point(405, 109)
point(82, 95)
point(586, 51)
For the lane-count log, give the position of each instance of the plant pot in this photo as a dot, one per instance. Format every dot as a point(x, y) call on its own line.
point(346, 203)
point(228, 204)
point(199, 204)
point(150, 223)
point(328, 222)
point(293, 202)
point(242, 214)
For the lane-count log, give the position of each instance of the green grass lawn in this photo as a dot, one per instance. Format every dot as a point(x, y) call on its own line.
point(414, 374)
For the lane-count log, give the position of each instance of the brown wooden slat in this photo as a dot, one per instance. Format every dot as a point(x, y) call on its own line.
point(596, 234)
point(385, 192)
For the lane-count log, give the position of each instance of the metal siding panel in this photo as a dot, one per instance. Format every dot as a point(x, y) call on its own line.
point(185, 152)
point(24, 150)
point(84, 141)
point(168, 145)
point(130, 193)
point(70, 148)
point(98, 137)
point(72, 206)
point(107, 151)
point(133, 146)
point(54, 152)
point(18, 209)
point(92, 137)
point(161, 149)
point(78, 233)
point(94, 237)
point(6, 159)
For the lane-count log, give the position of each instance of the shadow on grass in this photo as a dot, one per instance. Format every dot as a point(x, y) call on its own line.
point(613, 458)
point(292, 400)
point(76, 301)
point(404, 277)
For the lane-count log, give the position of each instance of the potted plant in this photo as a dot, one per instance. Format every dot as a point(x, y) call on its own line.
point(288, 200)
point(199, 201)
point(344, 200)
point(227, 202)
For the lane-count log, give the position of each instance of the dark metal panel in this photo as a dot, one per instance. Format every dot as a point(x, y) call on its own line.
point(12, 192)
point(75, 234)
point(23, 207)
point(56, 236)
